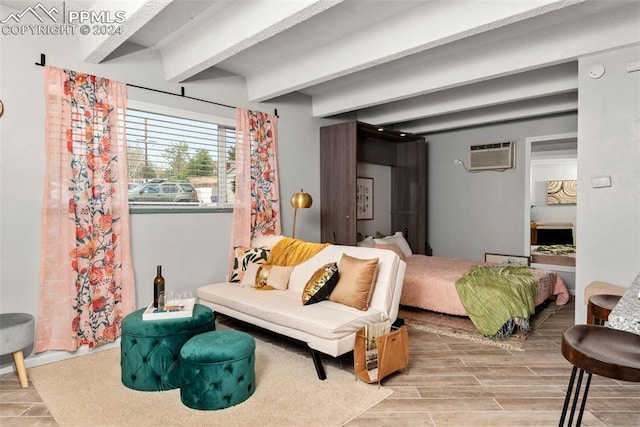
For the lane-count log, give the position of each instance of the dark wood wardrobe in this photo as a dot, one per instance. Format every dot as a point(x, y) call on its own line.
point(343, 145)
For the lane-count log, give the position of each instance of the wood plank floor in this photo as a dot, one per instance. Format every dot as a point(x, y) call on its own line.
point(451, 382)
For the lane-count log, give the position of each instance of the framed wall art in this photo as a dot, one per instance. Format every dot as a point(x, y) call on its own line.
point(364, 198)
point(562, 192)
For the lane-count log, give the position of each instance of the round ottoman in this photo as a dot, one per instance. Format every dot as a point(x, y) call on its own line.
point(150, 349)
point(217, 369)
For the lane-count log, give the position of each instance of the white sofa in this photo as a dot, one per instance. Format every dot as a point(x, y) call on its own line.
point(327, 326)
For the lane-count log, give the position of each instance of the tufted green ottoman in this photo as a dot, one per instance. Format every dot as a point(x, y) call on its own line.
point(217, 369)
point(150, 350)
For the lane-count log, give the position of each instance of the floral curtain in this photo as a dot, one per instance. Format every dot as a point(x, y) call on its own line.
point(86, 285)
point(256, 210)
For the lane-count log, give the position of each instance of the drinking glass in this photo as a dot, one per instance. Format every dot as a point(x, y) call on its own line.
point(169, 299)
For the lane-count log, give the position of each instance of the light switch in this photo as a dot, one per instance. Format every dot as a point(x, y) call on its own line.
point(600, 182)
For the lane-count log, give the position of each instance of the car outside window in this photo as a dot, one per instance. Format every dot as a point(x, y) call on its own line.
point(169, 188)
point(150, 189)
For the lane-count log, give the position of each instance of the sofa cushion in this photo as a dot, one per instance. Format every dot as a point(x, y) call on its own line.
point(356, 280)
point(321, 284)
point(325, 319)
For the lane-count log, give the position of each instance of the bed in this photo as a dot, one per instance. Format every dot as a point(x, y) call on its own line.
point(436, 283)
point(429, 283)
point(554, 255)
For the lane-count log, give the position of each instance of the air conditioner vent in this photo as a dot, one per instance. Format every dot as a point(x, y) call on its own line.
point(499, 155)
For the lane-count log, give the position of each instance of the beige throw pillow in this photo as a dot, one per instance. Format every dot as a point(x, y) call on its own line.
point(267, 277)
point(356, 280)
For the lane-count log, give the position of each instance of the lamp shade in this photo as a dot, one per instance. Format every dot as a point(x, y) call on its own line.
point(301, 200)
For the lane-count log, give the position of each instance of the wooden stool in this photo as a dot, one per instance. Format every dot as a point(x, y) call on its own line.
point(599, 350)
point(599, 308)
point(597, 287)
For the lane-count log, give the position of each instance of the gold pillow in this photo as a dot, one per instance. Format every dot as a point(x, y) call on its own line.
point(270, 277)
point(356, 280)
point(321, 283)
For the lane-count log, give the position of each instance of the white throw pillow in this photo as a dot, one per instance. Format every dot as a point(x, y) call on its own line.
point(367, 242)
point(398, 240)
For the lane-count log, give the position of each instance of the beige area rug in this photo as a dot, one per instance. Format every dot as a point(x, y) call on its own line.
point(86, 390)
point(463, 328)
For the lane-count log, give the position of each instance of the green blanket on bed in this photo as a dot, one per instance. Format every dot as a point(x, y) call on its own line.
point(498, 299)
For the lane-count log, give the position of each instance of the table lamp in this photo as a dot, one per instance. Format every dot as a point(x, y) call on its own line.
point(299, 200)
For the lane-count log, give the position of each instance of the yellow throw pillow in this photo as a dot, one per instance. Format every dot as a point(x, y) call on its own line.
point(357, 278)
point(321, 283)
point(270, 277)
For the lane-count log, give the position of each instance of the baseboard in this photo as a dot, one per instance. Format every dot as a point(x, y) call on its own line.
point(56, 356)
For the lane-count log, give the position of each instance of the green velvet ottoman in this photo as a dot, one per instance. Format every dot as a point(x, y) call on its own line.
point(150, 349)
point(217, 369)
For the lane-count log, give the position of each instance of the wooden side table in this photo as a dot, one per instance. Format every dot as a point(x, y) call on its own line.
point(599, 308)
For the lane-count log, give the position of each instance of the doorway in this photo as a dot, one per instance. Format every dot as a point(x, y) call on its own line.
point(550, 227)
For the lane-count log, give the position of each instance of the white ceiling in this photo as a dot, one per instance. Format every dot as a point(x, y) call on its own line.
point(422, 66)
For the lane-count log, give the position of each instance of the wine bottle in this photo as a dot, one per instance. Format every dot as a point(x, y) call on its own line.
point(158, 286)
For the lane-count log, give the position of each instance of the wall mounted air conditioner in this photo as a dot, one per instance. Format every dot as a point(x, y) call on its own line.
point(500, 155)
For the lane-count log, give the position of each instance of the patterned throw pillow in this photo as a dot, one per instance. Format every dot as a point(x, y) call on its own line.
point(245, 255)
point(321, 283)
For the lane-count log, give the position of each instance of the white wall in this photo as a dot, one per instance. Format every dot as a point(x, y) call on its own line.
point(474, 213)
point(608, 145)
point(193, 248)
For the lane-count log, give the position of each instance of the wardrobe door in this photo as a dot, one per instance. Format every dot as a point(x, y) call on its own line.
point(409, 194)
point(338, 147)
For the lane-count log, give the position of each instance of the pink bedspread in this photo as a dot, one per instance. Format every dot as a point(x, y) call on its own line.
point(430, 283)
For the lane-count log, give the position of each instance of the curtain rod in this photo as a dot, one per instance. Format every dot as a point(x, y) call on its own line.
point(43, 62)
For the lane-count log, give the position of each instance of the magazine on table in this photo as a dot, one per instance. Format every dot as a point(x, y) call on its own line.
point(372, 331)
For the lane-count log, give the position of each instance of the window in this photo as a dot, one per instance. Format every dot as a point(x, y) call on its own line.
point(179, 159)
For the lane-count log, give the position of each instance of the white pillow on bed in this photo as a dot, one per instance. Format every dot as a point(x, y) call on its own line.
point(398, 240)
point(367, 242)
